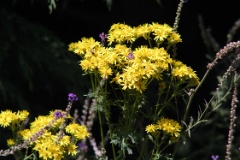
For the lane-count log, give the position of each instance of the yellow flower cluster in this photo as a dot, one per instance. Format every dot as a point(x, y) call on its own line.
point(8, 117)
point(168, 126)
point(133, 68)
point(79, 132)
point(120, 33)
point(146, 64)
point(184, 73)
point(49, 145)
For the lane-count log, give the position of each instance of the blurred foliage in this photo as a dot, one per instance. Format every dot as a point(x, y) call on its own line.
point(35, 65)
point(52, 4)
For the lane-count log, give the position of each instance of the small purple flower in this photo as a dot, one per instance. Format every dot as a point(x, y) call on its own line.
point(58, 114)
point(72, 97)
point(215, 157)
point(82, 146)
point(130, 56)
point(103, 37)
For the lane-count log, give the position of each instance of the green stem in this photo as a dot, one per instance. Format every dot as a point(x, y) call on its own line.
point(92, 82)
point(107, 115)
point(150, 44)
point(157, 105)
point(193, 94)
point(133, 108)
point(168, 99)
point(144, 147)
point(189, 105)
point(101, 128)
point(96, 91)
point(153, 151)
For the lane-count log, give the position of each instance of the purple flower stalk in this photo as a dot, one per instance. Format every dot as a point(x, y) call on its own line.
point(58, 114)
point(215, 157)
point(82, 146)
point(72, 97)
point(103, 37)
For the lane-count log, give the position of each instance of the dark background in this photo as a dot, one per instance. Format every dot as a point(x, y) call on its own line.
point(36, 70)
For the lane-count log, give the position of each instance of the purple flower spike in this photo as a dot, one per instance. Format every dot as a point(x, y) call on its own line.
point(215, 157)
point(72, 97)
point(103, 37)
point(82, 146)
point(58, 114)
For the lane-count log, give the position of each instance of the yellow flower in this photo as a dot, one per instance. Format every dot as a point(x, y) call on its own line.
point(143, 31)
point(120, 33)
point(72, 149)
point(65, 141)
point(169, 126)
point(48, 148)
point(141, 86)
point(85, 46)
point(161, 32)
point(174, 38)
point(10, 142)
point(22, 115)
point(184, 73)
point(105, 72)
point(78, 131)
point(147, 64)
point(26, 133)
point(40, 122)
point(87, 64)
point(151, 128)
point(7, 117)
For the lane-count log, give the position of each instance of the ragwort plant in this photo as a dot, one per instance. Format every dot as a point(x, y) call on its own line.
point(121, 71)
